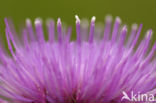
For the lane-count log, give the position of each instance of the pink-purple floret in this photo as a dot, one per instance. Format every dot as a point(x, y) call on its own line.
point(95, 68)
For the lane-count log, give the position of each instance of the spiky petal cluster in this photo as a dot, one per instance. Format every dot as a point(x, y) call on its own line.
point(92, 69)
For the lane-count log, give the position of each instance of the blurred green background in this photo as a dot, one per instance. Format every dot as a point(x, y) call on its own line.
point(130, 11)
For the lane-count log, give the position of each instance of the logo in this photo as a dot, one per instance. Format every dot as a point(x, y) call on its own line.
point(138, 97)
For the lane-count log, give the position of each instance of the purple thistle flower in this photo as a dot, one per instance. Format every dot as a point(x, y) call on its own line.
point(95, 68)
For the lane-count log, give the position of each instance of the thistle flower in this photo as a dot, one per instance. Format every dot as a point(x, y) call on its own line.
point(95, 68)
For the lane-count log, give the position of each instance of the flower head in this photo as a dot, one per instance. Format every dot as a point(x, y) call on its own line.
point(95, 68)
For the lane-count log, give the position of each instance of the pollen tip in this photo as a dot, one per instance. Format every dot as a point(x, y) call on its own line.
point(134, 26)
point(58, 21)
point(108, 18)
point(28, 21)
point(77, 19)
point(47, 21)
point(124, 28)
point(149, 33)
point(118, 19)
point(38, 21)
point(93, 19)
